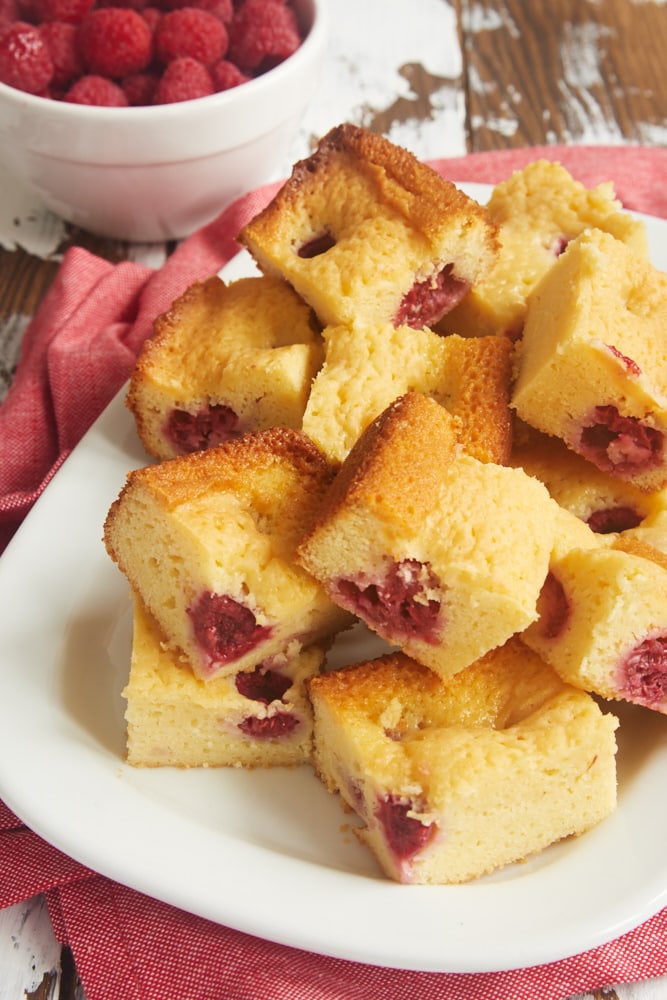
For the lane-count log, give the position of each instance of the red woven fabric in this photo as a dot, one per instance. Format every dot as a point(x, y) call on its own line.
point(638, 173)
point(80, 348)
point(76, 354)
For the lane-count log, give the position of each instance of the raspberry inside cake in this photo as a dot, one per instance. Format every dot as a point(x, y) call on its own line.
point(603, 624)
point(454, 778)
point(366, 234)
point(436, 551)
point(606, 503)
point(225, 359)
point(538, 211)
point(404, 603)
point(208, 542)
point(259, 718)
point(592, 369)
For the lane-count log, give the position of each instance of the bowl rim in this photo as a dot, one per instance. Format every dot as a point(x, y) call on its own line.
point(313, 11)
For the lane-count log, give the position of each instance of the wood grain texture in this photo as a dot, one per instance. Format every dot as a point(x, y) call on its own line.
point(27, 943)
point(539, 72)
point(23, 281)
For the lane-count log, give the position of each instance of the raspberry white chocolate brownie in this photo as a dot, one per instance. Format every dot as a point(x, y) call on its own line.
point(538, 210)
point(436, 551)
point(366, 233)
point(367, 369)
point(225, 359)
point(207, 542)
point(258, 718)
point(592, 367)
point(603, 624)
point(454, 778)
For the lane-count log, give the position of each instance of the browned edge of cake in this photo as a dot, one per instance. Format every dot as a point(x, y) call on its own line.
point(410, 186)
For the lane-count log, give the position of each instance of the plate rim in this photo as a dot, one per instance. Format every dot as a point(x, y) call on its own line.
point(40, 810)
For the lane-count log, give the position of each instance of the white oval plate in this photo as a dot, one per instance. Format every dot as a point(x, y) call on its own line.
point(268, 852)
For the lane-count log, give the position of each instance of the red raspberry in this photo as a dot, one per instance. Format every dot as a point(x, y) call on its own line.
point(61, 41)
point(184, 79)
point(405, 834)
point(25, 62)
point(223, 9)
point(9, 11)
point(152, 16)
point(226, 75)
point(115, 42)
point(140, 88)
point(96, 90)
point(190, 32)
point(271, 727)
point(70, 11)
point(138, 5)
point(27, 11)
point(262, 685)
point(262, 34)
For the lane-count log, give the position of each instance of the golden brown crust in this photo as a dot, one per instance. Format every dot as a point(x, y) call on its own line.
point(202, 297)
point(207, 307)
point(187, 309)
point(233, 466)
point(477, 390)
point(228, 465)
point(409, 186)
point(498, 690)
point(375, 681)
point(255, 325)
point(421, 437)
point(638, 547)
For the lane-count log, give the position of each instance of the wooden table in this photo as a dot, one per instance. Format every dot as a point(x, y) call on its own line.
point(442, 78)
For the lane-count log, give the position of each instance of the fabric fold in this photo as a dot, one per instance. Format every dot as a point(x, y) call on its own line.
point(80, 347)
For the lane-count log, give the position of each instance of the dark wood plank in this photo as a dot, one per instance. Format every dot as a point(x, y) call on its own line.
point(549, 71)
point(23, 282)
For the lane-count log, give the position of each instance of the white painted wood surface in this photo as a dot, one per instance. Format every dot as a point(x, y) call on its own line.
point(29, 952)
point(374, 46)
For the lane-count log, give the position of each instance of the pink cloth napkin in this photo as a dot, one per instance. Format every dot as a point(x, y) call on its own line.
point(76, 354)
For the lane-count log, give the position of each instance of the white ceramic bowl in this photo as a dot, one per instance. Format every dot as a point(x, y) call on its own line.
point(157, 173)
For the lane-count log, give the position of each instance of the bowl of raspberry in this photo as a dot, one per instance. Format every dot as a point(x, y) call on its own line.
point(141, 120)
